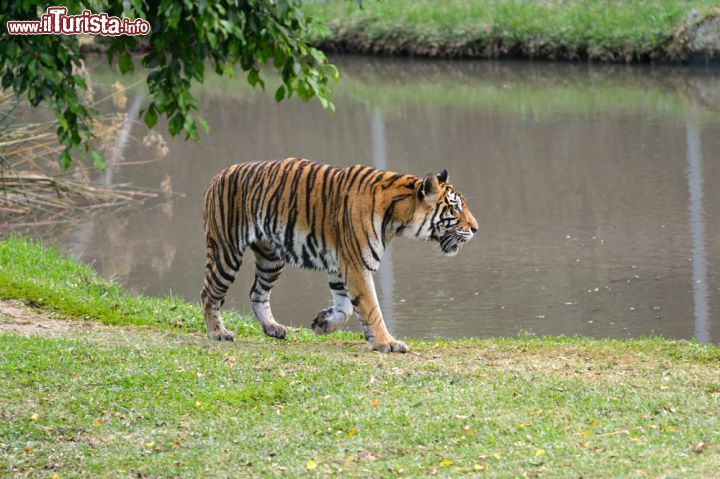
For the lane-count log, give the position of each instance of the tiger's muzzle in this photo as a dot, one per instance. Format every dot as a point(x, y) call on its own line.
point(451, 242)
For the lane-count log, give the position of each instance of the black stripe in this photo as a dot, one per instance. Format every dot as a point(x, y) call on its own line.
point(364, 177)
point(269, 270)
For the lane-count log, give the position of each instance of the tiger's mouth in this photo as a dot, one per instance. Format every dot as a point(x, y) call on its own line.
point(450, 244)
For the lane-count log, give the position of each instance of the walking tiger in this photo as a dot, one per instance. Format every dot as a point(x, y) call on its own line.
point(315, 216)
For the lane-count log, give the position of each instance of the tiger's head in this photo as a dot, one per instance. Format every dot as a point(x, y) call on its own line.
point(442, 215)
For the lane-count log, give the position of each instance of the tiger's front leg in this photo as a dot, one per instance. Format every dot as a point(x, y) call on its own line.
point(330, 319)
point(361, 288)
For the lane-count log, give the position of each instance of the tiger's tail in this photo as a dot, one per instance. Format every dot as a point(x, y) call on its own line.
point(224, 253)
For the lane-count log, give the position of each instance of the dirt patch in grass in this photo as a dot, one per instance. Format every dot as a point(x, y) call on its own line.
point(17, 317)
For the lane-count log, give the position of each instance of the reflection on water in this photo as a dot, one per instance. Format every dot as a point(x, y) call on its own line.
point(697, 231)
point(386, 279)
point(584, 180)
point(83, 234)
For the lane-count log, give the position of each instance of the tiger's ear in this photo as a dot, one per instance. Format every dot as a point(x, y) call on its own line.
point(429, 188)
point(442, 176)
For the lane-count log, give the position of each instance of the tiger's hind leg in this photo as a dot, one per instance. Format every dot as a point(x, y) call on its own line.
point(268, 266)
point(221, 266)
point(330, 319)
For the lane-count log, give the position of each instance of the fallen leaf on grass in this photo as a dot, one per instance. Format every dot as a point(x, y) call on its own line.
point(446, 463)
point(149, 444)
point(540, 452)
point(35, 417)
point(480, 467)
point(699, 447)
point(367, 455)
point(97, 422)
point(375, 403)
point(352, 432)
point(522, 425)
point(311, 465)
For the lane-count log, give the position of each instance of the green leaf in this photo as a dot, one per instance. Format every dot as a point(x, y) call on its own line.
point(150, 118)
point(176, 123)
point(212, 39)
point(63, 122)
point(98, 160)
point(203, 124)
point(253, 77)
point(65, 159)
point(280, 93)
point(125, 62)
point(47, 59)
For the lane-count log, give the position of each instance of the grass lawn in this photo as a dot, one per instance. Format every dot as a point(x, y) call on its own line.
point(150, 397)
point(616, 30)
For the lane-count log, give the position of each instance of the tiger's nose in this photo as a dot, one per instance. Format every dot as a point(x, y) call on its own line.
point(474, 230)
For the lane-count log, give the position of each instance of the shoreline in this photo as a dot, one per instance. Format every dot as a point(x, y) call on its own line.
point(51, 281)
point(688, 36)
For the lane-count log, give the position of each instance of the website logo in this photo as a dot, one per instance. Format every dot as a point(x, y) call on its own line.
point(56, 21)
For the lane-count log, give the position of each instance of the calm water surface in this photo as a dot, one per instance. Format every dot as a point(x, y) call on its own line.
point(595, 189)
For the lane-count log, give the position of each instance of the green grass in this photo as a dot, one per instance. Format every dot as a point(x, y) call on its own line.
point(599, 29)
point(153, 401)
point(46, 278)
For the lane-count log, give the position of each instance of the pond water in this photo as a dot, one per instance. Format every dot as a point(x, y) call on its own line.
point(594, 188)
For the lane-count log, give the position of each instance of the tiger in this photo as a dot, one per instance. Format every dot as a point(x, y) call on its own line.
point(321, 217)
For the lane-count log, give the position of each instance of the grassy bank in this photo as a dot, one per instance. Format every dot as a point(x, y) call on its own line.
point(146, 399)
point(614, 30)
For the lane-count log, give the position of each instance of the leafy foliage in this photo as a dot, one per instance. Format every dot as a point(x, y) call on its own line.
point(186, 37)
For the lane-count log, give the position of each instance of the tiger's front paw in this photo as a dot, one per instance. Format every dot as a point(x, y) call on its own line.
point(327, 321)
point(275, 330)
point(221, 335)
point(391, 347)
